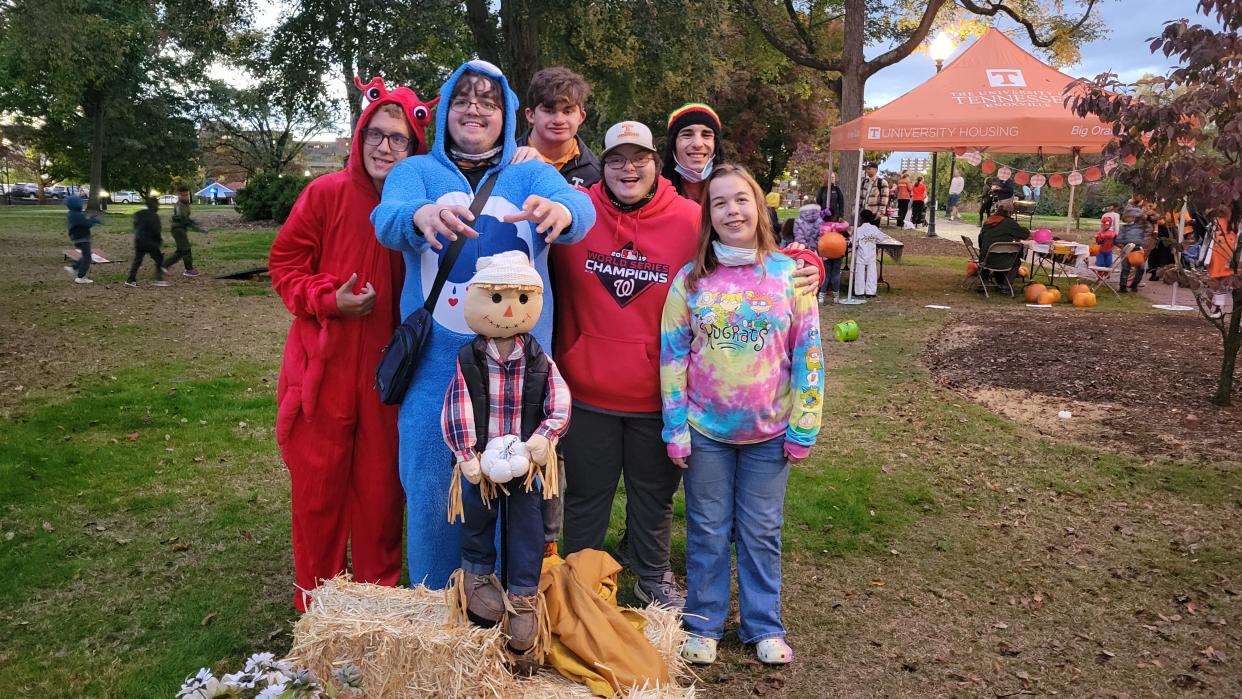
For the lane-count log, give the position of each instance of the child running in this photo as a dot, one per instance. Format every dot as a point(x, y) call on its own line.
point(741, 378)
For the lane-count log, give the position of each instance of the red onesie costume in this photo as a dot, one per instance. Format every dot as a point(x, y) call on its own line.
point(336, 437)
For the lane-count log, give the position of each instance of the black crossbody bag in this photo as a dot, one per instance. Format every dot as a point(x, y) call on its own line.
point(404, 351)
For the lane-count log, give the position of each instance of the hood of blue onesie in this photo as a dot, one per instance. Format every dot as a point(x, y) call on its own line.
point(433, 548)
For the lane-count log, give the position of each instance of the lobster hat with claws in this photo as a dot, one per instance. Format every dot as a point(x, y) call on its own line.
point(417, 112)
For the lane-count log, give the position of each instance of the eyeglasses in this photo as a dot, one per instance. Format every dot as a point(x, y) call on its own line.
point(485, 107)
point(396, 141)
point(618, 162)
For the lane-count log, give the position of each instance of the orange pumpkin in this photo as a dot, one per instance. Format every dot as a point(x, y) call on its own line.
point(1085, 299)
point(1024, 272)
point(1075, 290)
point(1056, 293)
point(1032, 292)
point(1047, 298)
point(1137, 258)
point(1093, 249)
point(831, 246)
point(971, 267)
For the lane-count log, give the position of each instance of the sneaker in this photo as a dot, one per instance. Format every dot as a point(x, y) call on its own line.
point(161, 283)
point(699, 650)
point(774, 651)
point(823, 298)
point(190, 273)
point(165, 270)
point(132, 285)
point(663, 590)
point(83, 280)
point(523, 623)
point(1122, 290)
point(70, 270)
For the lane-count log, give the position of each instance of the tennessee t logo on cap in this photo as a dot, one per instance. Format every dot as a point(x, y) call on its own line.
point(628, 132)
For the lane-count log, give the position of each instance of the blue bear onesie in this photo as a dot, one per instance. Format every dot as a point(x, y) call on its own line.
point(432, 545)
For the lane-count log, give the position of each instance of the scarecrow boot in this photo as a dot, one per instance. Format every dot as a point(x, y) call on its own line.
point(485, 602)
point(523, 623)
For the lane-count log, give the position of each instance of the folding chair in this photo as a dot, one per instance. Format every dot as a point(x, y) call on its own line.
point(1103, 273)
point(1000, 258)
point(973, 256)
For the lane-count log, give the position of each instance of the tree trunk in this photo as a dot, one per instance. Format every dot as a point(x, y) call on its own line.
point(483, 29)
point(521, 27)
point(98, 139)
point(853, 83)
point(1233, 341)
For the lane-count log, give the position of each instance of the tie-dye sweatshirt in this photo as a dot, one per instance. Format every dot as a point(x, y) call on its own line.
point(740, 359)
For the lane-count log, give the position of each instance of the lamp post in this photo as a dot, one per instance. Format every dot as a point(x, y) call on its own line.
point(941, 48)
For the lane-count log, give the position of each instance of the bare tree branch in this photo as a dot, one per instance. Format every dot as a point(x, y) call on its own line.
point(911, 43)
point(801, 57)
point(803, 32)
point(991, 9)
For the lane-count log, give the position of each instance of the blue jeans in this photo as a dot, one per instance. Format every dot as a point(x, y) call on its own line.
point(738, 489)
point(832, 276)
point(1104, 259)
point(525, 535)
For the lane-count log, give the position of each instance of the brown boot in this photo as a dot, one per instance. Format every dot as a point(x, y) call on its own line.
point(485, 602)
point(523, 623)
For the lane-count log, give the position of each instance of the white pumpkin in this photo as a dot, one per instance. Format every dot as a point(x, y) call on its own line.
point(505, 458)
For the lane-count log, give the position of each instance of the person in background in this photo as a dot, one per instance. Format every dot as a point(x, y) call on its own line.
point(918, 197)
point(956, 186)
point(181, 223)
point(829, 196)
point(556, 109)
point(1001, 228)
point(1134, 230)
point(863, 272)
point(1162, 254)
point(806, 226)
point(787, 232)
point(903, 197)
point(734, 312)
point(832, 222)
point(873, 195)
point(80, 226)
point(1105, 238)
point(147, 241)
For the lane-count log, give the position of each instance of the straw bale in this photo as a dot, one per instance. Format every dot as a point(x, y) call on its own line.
point(401, 640)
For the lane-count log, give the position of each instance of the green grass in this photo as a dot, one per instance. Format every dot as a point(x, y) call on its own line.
point(136, 509)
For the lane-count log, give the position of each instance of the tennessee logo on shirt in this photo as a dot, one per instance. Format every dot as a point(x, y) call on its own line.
point(625, 273)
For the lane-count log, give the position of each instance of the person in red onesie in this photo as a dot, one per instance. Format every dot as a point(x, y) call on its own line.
point(336, 437)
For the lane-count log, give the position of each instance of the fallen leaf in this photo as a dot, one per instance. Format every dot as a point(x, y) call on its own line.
point(47, 527)
point(133, 436)
point(207, 619)
point(199, 459)
point(1000, 625)
point(1212, 654)
point(181, 547)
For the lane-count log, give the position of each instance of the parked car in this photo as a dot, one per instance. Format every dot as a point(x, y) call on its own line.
point(168, 198)
point(126, 197)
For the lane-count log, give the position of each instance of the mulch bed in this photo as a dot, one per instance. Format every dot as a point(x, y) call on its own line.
point(1154, 374)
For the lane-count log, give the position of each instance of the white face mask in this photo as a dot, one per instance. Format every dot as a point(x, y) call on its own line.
point(730, 256)
point(690, 175)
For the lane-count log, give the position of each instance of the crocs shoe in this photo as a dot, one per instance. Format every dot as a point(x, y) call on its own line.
point(774, 651)
point(699, 650)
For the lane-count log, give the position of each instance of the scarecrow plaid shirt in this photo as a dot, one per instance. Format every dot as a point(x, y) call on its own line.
point(504, 412)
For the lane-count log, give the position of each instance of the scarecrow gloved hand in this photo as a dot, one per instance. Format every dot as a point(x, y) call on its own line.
point(537, 446)
point(471, 470)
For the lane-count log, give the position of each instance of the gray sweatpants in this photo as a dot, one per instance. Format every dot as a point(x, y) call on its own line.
point(601, 448)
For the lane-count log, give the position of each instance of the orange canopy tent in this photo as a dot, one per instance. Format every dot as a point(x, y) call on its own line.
point(995, 97)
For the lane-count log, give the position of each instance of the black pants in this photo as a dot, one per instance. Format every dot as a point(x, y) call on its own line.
point(83, 265)
point(919, 208)
point(143, 248)
point(599, 449)
point(182, 239)
point(903, 206)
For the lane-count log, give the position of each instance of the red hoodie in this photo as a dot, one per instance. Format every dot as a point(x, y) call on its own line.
point(611, 289)
point(327, 237)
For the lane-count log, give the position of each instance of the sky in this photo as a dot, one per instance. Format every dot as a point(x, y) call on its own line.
point(1124, 50)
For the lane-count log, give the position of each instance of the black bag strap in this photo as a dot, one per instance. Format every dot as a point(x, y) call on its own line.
point(454, 251)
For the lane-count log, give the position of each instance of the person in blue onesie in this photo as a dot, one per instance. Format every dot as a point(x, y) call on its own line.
point(426, 204)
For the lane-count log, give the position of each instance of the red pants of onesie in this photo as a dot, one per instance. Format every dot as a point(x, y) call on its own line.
point(346, 490)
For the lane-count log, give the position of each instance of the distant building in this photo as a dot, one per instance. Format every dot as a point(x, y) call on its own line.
point(321, 157)
point(916, 165)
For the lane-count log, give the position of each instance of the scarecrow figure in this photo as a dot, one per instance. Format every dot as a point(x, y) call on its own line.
point(504, 410)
